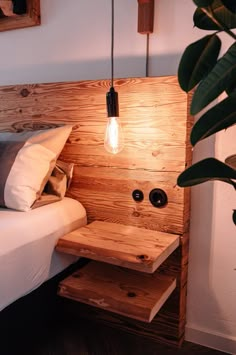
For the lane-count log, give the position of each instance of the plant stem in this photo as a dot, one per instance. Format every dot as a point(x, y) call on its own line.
point(210, 13)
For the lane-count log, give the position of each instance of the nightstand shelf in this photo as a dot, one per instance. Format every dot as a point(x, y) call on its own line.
point(127, 292)
point(131, 285)
point(127, 246)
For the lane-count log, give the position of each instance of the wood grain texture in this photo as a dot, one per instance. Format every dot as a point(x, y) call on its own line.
point(169, 323)
point(127, 246)
point(164, 328)
point(136, 295)
point(31, 18)
point(111, 191)
point(156, 124)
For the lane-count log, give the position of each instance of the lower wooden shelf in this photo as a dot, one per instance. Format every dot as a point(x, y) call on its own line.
point(119, 290)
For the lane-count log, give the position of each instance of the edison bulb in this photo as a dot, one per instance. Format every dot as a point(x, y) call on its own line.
point(114, 139)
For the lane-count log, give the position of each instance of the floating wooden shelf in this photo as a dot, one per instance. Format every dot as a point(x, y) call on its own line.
point(131, 247)
point(116, 289)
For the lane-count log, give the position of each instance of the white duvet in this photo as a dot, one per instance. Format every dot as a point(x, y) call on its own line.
point(27, 242)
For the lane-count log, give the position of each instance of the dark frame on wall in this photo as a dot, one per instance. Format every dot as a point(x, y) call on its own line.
point(30, 18)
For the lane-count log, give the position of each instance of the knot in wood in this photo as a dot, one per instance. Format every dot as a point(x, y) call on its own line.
point(142, 257)
point(76, 275)
point(24, 92)
point(155, 153)
point(131, 294)
point(136, 214)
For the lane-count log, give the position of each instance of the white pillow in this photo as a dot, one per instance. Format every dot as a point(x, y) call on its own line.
point(26, 162)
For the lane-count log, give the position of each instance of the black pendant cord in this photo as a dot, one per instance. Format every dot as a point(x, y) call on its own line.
point(112, 96)
point(112, 42)
point(147, 56)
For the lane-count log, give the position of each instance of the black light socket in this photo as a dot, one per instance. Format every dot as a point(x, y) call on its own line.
point(158, 198)
point(112, 103)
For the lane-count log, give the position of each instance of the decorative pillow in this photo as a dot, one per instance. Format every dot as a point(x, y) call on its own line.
point(65, 169)
point(26, 162)
point(57, 185)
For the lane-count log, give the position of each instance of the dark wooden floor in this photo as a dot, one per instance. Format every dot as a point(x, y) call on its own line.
point(29, 327)
point(90, 339)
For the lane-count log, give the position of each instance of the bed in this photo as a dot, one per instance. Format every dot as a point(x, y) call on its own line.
point(27, 255)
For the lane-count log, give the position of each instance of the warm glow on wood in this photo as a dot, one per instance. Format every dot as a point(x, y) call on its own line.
point(154, 116)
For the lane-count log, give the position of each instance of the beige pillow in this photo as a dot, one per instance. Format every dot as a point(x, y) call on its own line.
point(27, 160)
point(57, 185)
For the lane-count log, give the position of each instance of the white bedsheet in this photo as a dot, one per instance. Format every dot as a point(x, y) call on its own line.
point(27, 242)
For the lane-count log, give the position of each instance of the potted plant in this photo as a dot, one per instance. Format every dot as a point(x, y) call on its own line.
point(209, 74)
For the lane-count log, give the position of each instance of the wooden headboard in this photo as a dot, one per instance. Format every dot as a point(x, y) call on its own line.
point(154, 114)
point(156, 125)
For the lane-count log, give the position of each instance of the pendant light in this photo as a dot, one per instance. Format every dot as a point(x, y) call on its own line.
point(114, 139)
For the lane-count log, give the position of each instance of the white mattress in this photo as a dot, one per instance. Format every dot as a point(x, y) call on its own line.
point(27, 242)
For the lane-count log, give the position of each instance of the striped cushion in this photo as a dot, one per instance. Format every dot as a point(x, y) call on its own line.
point(26, 162)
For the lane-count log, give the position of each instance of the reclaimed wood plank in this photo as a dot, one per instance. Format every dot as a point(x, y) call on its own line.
point(118, 290)
point(127, 246)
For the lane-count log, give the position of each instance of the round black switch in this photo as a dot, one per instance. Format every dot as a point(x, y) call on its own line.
point(137, 195)
point(158, 198)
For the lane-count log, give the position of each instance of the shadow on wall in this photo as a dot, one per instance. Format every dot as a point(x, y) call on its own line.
point(124, 67)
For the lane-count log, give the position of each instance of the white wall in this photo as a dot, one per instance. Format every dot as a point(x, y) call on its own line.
point(73, 43)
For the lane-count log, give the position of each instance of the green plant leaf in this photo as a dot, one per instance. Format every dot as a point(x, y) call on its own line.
point(205, 170)
point(231, 88)
point(197, 61)
point(230, 5)
point(234, 217)
point(221, 116)
point(216, 81)
point(202, 21)
point(203, 3)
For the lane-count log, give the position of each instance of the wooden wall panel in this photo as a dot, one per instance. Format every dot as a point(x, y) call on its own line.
point(153, 112)
point(154, 115)
point(101, 183)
